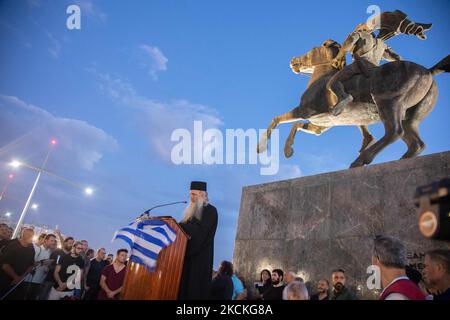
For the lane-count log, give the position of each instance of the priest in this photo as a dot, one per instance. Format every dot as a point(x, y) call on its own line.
point(200, 223)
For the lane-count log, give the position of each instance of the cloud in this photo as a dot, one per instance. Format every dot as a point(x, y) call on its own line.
point(88, 9)
point(153, 59)
point(158, 119)
point(55, 45)
point(24, 39)
point(26, 130)
point(91, 10)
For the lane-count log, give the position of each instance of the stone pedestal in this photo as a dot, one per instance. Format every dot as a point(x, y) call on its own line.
point(314, 224)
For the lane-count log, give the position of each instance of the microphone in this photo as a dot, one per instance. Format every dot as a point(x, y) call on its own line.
point(147, 212)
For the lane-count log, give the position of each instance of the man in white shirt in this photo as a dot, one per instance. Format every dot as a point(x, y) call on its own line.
point(288, 278)
point(34, 281)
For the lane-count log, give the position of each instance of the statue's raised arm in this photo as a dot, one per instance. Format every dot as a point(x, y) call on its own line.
point(392, 23)
point(368, 50)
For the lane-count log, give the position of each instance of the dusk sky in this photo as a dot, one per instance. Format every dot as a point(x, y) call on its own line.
point(113, 92)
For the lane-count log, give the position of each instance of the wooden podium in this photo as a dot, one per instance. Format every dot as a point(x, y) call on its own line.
point(164, 282)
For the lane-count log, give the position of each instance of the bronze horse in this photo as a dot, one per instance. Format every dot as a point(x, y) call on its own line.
point(400, 94)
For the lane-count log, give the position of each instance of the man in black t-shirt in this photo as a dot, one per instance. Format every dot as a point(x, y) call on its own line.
point(323, 290)
point(275, 292)
point(68, 274)
point(16, 261)
point(94, 273)
point(56, 256)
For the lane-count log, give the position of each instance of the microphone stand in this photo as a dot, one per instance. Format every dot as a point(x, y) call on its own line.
point(21, 280)
point(147, 212)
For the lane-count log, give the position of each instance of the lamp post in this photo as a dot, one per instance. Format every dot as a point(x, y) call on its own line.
point(33, 189)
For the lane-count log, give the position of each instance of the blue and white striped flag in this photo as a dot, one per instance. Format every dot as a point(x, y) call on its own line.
point(146, 239)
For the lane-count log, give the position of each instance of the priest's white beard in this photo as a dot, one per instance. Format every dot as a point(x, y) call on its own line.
point(194, 210)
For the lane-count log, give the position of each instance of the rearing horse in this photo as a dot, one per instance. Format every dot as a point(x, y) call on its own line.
point(400, 94)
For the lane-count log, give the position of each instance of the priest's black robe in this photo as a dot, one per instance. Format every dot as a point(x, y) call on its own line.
point(198, 261)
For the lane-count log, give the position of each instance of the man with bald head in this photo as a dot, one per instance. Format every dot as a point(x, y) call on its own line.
point(200, 223)
point(16, 261)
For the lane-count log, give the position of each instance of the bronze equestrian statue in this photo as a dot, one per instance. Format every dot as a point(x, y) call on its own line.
point(399, 93)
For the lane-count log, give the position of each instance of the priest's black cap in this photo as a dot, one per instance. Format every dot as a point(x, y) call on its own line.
point(198, 185)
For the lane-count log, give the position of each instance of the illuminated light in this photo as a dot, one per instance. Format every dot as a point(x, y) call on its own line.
point(10, 176)
point(34, 206)
point(15, 164)
point(89, 191)
point(268, 264)
point(304, 275)
point(35, 238)
point(8, 214)
point(53, 141)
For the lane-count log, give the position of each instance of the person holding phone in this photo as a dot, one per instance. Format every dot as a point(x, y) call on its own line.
point(35, 280)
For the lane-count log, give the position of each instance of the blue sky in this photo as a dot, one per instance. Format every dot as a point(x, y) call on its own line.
point(112, 92)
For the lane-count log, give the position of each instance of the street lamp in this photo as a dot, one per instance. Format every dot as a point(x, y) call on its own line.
point(17, 164)
point(89, 191)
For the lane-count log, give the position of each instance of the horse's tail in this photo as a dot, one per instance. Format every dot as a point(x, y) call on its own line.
point(441, 67)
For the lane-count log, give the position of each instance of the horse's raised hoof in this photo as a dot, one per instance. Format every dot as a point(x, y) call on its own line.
point(288, 151)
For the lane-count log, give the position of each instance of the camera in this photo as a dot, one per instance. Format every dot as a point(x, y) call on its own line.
point(433, 202)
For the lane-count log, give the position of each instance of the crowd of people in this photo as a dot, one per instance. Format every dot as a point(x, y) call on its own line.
point(398, 280)
point(43, 270)
point(53, 267)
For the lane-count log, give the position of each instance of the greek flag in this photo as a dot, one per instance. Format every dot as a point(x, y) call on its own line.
point(146, 239)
